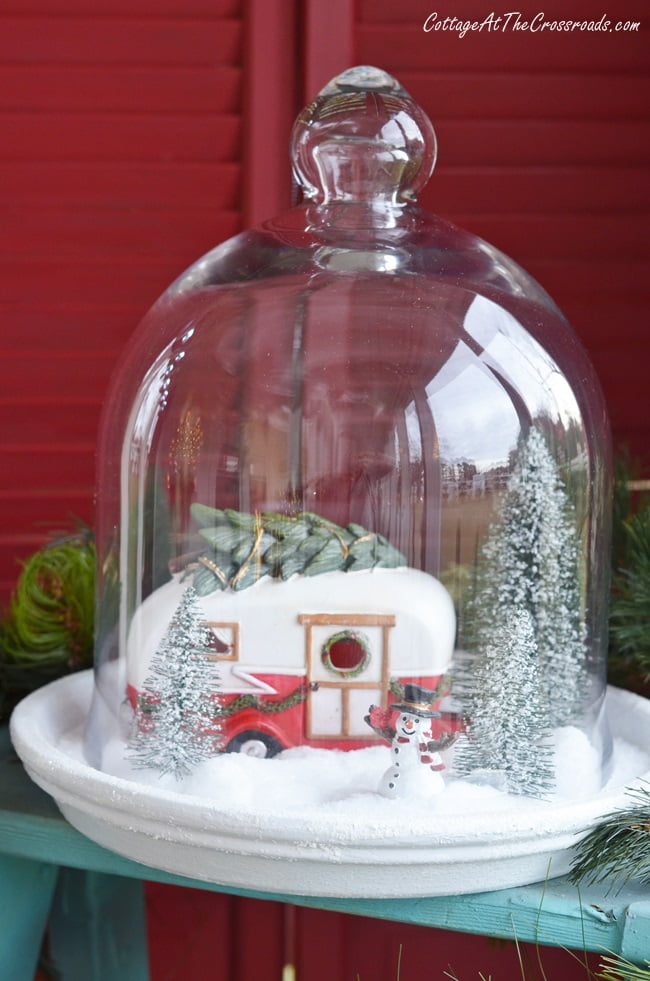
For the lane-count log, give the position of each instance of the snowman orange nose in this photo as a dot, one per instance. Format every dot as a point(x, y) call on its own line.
point(408, 724)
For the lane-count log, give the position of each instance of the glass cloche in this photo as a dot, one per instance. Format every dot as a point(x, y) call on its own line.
point(353, 495)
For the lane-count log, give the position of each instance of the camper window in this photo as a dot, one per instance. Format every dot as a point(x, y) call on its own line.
point(346, 652)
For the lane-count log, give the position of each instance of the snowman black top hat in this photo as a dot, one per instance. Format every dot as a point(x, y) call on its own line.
point(417, 701)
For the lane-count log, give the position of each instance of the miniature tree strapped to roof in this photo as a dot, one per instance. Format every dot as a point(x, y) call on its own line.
point(246, 547)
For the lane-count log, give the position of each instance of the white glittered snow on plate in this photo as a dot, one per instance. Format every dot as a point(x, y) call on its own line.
point(310, 821)
point(336, 782)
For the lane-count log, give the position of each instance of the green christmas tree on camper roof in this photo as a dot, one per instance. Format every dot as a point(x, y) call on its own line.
point(525, 623)
point(177, 720)
point(243, 548)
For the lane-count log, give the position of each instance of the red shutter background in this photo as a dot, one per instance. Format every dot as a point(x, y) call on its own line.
point(120, 163)
point(136, 134)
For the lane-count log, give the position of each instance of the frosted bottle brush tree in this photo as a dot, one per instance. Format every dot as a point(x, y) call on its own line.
point(508, 724)
point(525, 625)
point(177, 719)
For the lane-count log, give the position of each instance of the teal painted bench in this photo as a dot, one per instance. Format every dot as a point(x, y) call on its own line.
point(53, 877)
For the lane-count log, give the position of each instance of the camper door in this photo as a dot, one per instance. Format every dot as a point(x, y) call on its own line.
point(348, 669)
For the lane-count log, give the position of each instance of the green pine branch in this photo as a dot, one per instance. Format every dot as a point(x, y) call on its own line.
point(630, 605)
point(618, 849)
point(48, 630)
point(629, 636)
point(620, 969)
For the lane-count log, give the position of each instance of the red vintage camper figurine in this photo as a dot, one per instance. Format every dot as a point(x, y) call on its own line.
point(306, 621)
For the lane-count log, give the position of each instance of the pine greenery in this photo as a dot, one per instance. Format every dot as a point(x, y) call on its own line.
point(629, 624)
point(630, 606)
point(48, 630)
point(618, 849)
point(244, 548)
point(620, 969)
point(177, 722)
point(51, 617)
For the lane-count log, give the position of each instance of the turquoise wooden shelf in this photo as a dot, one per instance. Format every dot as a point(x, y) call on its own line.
point(52, 876)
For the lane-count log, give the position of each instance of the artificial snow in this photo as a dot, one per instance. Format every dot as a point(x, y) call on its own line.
point(333, 786)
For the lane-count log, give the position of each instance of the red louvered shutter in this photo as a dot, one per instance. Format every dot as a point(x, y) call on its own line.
point(120, 163)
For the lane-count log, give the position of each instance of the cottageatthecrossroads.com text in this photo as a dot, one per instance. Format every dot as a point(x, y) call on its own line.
point(515, 21)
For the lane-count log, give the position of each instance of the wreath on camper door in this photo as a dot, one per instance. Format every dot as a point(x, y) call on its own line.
point(346, 653)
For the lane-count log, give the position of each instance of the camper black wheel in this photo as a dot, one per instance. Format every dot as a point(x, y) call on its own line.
point(254, 743)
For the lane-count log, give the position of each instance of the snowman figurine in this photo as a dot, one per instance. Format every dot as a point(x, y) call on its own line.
point(416, 764)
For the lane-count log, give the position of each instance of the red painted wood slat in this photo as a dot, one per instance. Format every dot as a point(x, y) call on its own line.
point(557, 190)
point(135, 88)
point(593, 278)
point(329, 39)
point(270, 107)
point(605, 323)
point(121, 137)
point(151, 8)
point(530, 236)
point(546, 142)
point(71, 419)
point(264, 921)
point(51, 506)
point(110, 234)
point(128, 281)
point(119, 41)
point(74, 466)
point(495, 93)
point(331, 958)
point(174, 916)
point(58, 373)
point(44, 326)
point(123, 185)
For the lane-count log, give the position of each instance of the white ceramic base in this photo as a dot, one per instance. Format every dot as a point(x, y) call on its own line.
point(306, 855)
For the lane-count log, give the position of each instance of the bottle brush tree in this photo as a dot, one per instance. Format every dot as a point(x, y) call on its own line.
point(177, 721)
point(526, 594)
point(507, 729)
